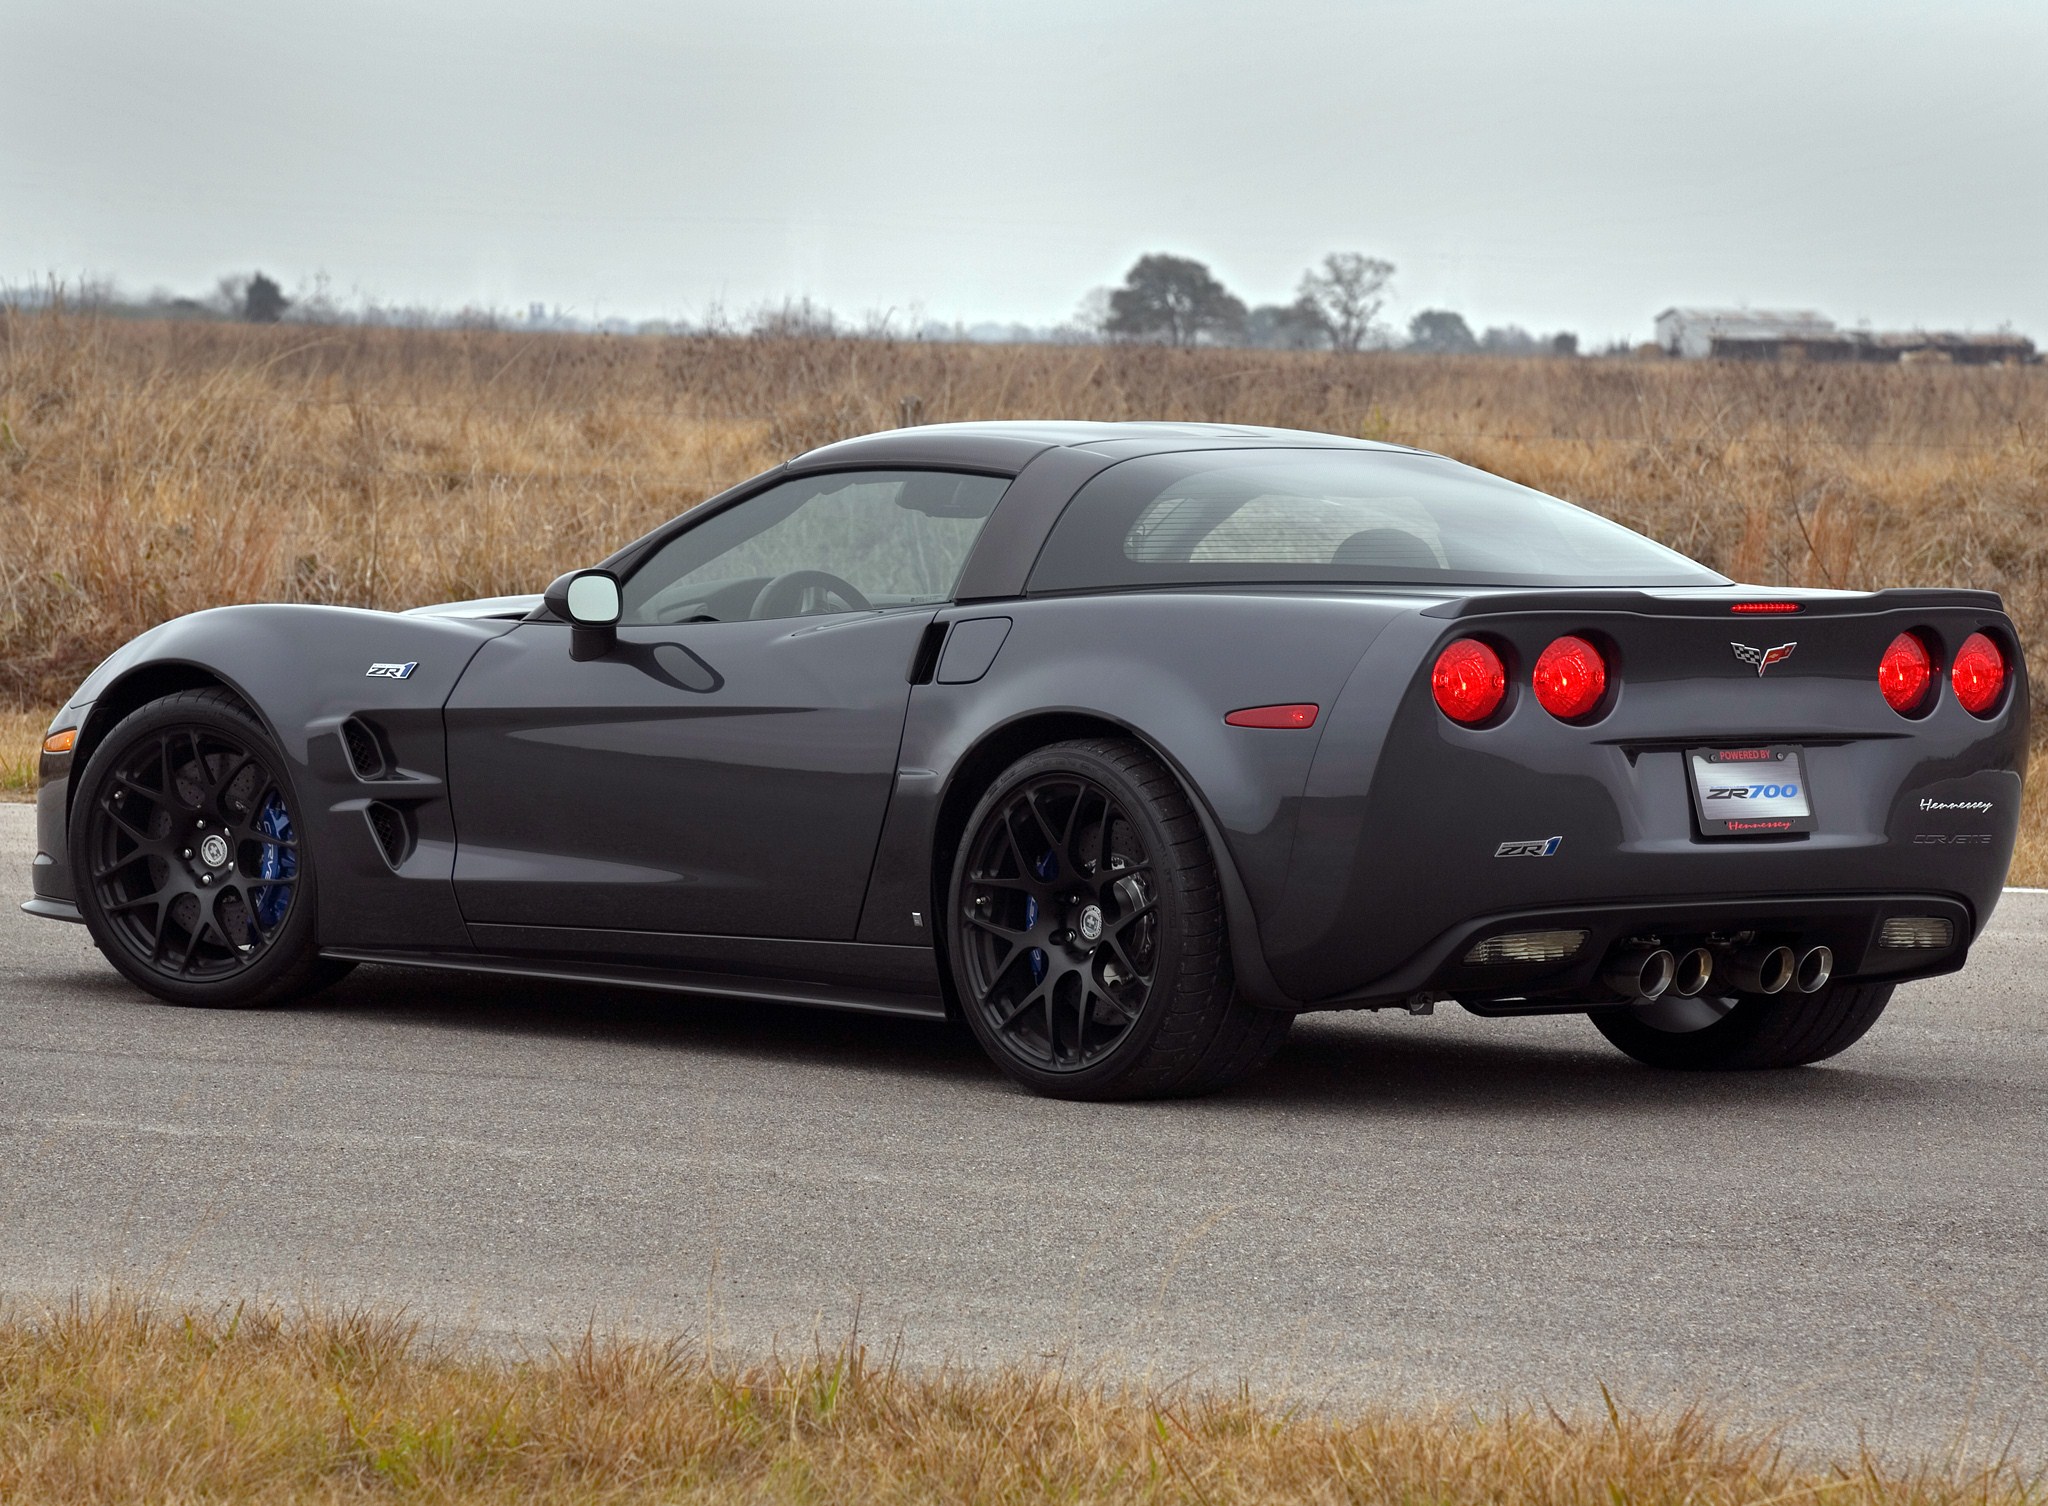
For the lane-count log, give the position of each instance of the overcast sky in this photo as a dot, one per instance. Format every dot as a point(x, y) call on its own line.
point(1575, 164)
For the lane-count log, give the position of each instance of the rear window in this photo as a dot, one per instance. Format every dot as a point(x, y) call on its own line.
point(1351, 516)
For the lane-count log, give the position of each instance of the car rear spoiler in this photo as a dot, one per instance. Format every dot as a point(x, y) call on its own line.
point(1716, 604)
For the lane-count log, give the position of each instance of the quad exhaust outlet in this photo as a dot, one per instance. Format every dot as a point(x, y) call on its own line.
point(1765, 969)
point(1694, 971)
point(1816, 966)
point(1640, 974)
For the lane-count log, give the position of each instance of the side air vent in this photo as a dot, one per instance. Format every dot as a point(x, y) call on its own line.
point(365, 749)
point(393, 830)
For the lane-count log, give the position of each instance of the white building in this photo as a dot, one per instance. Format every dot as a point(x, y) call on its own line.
point(1692, 332)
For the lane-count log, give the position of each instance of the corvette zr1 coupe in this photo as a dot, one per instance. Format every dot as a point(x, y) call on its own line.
point(1123, 743)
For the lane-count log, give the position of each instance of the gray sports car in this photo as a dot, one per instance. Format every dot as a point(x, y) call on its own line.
point(1123, 743)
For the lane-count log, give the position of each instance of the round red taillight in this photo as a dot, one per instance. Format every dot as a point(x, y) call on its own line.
point(1469, 681)
point(1904, 673)
point(1978, 674)
point(1570, 678)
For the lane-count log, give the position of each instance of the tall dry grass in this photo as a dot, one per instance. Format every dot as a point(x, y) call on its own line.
point(117, 1403)
point(149, 469)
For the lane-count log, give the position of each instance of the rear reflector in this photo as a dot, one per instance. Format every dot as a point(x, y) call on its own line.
point(1915, 933)
point(1978, 675)
point(1469, 681)
point(1282, 717)
point(1570, 678)
point(61, 742)
point(1764, 608)
point(1904, 673)
point(1527, 946)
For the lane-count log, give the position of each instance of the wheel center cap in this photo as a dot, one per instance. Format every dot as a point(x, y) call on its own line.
point(213, 852)
point(1089, 923)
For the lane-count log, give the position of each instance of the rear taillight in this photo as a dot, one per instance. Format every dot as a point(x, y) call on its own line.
point(1978, 674)
point(1570, 678)
point(1469, 681)
point(1904, 673)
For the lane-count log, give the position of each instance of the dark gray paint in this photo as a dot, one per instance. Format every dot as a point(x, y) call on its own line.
point(787, 781)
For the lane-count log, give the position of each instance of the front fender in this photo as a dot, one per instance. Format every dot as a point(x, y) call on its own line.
point(303, 672)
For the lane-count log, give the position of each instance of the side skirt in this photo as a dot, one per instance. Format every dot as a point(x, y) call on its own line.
point(663, 980)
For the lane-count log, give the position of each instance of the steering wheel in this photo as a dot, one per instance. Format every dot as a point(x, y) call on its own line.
point(791, 595)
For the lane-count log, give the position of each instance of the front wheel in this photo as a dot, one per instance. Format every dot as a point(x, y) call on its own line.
point(1745, 1032)
point(193, 872)
point(1086, 934)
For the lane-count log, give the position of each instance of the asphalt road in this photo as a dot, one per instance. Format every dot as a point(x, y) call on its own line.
point(1402, 1208)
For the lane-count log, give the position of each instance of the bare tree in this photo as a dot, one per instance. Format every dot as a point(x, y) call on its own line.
point(1346, 296)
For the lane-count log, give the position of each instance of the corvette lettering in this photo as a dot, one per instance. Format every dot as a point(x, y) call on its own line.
point(1763, 658)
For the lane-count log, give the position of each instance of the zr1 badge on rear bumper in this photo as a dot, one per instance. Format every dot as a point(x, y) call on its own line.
point(1750, 792)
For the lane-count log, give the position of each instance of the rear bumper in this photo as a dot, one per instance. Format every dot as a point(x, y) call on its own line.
point(1847, 923)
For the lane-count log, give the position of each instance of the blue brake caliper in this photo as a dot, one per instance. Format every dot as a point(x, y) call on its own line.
point(277, 862)
point(1046, 867)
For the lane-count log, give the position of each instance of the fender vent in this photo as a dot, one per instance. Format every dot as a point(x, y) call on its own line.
point(365, 749)
point(393, 830)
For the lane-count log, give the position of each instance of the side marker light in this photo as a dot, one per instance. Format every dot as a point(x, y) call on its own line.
point(1279, 718)
point(61, 742)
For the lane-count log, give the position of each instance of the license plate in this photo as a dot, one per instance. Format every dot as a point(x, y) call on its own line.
point(1750, 792)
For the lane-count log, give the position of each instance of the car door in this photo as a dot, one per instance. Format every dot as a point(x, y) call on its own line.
point(724, 769)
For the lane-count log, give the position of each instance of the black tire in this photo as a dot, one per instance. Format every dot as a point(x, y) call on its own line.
point(1759, 1033)
point(1143, 1008)
point(192, 868)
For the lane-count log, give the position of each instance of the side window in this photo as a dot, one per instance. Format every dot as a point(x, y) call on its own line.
point(851, 541)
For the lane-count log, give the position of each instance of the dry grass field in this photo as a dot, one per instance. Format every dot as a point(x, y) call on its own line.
point(117, 1403)
point(151, 469)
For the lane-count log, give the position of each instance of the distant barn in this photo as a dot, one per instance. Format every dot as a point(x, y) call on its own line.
point(1803, 335)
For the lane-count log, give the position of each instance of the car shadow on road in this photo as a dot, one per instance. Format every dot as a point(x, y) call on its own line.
point(435, 1000)
point(1455, 1065)
point(1483, 1067)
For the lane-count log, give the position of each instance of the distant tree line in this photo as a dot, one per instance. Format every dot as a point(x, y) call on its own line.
point(1164, 299)
point(1176, 300)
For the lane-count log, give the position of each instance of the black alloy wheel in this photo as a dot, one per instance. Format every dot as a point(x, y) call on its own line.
point(1085, 929)
point(190, 863)
point(1062, 922)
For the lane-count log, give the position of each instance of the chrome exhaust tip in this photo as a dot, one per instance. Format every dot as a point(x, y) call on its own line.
point(1640, 976)
point(1694, 971)
point(1816, 966)
point(1764, 970)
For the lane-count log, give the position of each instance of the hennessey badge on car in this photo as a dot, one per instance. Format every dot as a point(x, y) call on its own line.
point(392, 671)
point(1763, 658)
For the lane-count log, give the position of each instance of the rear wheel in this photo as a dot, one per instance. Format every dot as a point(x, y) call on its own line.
point(1086, 934)
point(193, 873)
point(1745, 1032)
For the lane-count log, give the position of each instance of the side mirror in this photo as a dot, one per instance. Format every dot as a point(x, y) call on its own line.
point(588, 600)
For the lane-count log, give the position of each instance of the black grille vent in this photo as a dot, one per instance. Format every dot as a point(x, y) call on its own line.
point(392, 830)
point(365, 750)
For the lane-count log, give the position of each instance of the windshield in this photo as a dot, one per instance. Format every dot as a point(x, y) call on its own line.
point(1364, 516)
